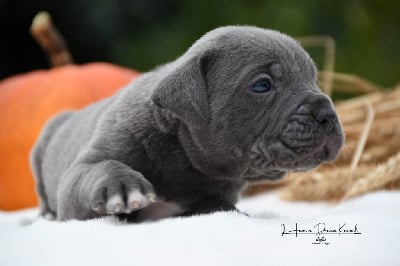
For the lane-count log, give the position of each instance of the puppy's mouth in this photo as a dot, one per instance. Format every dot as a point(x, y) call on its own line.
point(308, 140)
point(305, 143)
point(302, 145)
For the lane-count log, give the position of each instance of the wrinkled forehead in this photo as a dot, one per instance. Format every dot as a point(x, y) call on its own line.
point(280, 54)
point(249, 47)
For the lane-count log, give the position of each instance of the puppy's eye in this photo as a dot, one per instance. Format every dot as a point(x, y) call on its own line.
point(261, 86)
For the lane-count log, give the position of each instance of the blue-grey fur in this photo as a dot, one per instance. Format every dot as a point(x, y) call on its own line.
point(189, 134)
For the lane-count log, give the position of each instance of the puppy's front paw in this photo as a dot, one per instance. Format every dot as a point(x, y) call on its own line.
point(121, 195)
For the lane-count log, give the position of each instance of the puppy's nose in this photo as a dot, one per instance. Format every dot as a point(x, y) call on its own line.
point(320, 108)
point(325, 116)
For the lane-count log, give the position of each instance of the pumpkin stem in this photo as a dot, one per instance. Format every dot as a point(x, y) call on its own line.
point(51, 41)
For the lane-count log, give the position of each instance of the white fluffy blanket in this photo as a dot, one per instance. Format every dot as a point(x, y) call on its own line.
point(216, 239)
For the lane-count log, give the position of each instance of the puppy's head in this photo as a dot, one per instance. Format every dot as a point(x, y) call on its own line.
point(251, 94)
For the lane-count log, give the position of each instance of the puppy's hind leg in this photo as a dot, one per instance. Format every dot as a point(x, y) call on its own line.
point(36, 156)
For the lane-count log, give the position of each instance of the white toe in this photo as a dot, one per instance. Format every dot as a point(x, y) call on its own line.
point(115, 204)
point(136, 200)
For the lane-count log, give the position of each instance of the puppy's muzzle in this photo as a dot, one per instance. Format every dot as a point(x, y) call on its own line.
point(314, 128)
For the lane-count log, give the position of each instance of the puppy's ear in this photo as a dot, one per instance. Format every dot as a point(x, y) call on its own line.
point(184, 91)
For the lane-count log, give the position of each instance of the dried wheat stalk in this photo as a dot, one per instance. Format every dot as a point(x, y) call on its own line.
point(328, 43)
point(328, 185)
point(348, 83)
point(381, 175)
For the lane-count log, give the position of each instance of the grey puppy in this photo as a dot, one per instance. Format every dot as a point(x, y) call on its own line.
point(241, 105)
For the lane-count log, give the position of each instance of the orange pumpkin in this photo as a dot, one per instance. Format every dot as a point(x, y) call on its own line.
point(27, 101)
